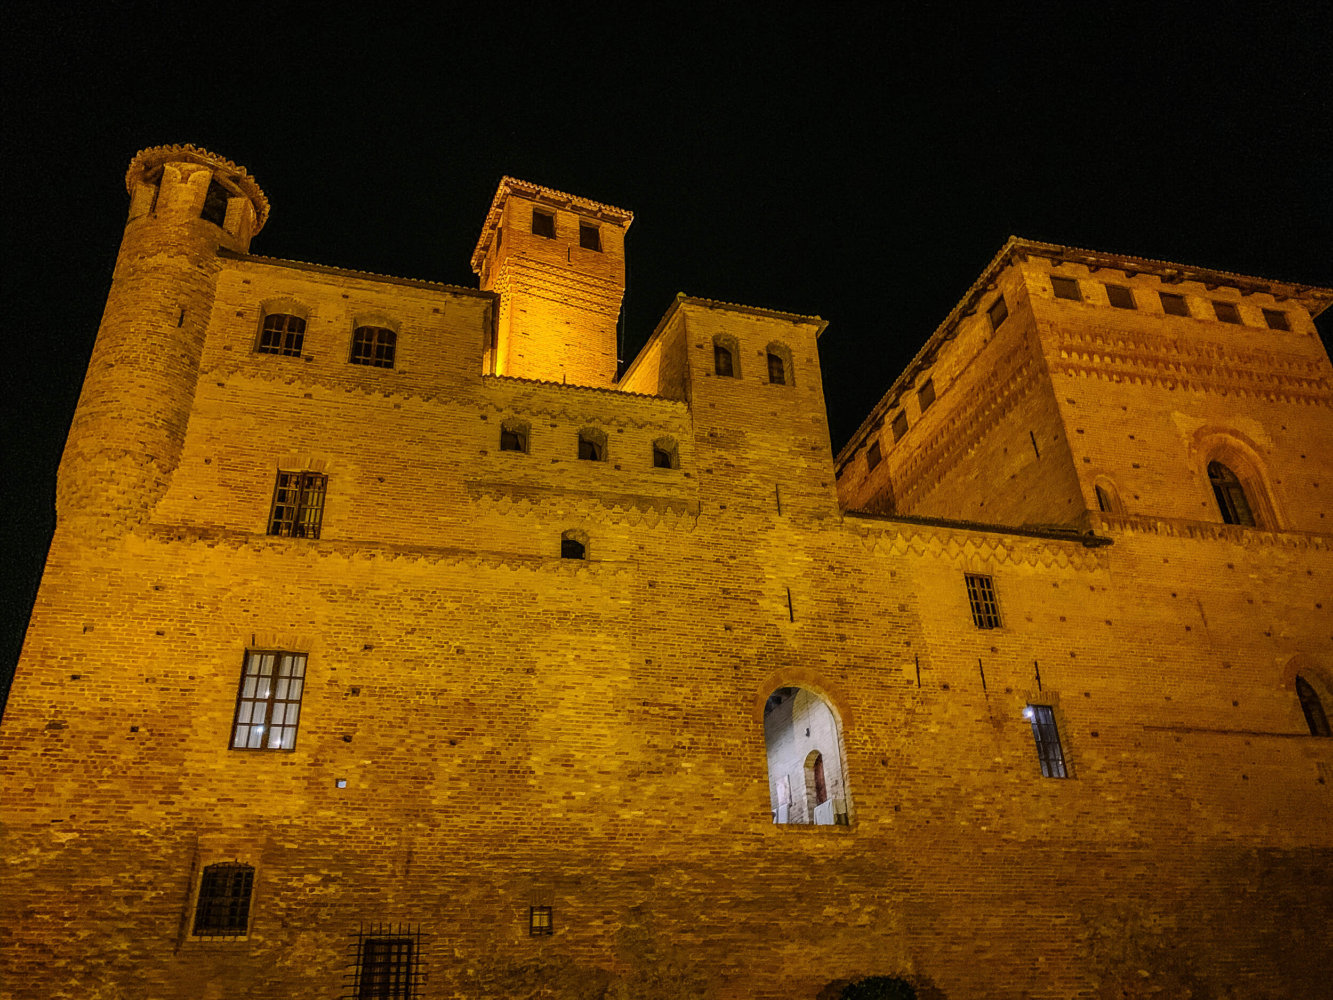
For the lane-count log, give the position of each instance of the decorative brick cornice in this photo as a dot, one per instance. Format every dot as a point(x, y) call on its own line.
point(633, 508)
point(1211, 531)
point(343, 272)
point(965, 546)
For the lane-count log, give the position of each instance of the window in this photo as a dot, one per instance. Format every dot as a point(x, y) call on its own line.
point(998, 313)
point(268, 704)
point(1173, 305)
point(592, 446)
point(1227, 312)
point(1312, 707)
point(215, 204)
point(806, 766)
point(373, 345)
point(777, 372)
point(543, 224)
point(573, 545)
point(1120, 296)
point(665, 454)
point(926, 394)
point(1047, 737)
point(900, 425)
point(821, 785)
point(981, 594)
point(386, 968)
point(1065, 288)
point(223, 907)
point(298, 504)
point(540, 921)
point(514, 436)
point(1103, 500)
point(1276, 319)
point(590, 237)
point(873, 455)
point(1232, 503)
point(722, 361)
point(282, 333)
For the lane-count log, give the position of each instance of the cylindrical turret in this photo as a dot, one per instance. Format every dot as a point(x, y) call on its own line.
point(126, 437)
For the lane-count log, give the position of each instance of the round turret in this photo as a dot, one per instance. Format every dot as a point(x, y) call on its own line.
point(125, 441)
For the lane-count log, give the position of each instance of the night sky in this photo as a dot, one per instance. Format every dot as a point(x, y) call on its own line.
point(862, 163)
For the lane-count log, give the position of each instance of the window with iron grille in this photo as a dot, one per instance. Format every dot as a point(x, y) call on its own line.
point(1173, 305)
point(1276, 319)
point(1047, 736)
point(900, 425)
point(268, 704)
point(926, 394)
point(1066, 288)
point(1313, 708)
point(1120, 296)
point(282, 333)
point(590, 237)
point(543, 224)
point(981, 595)
point(1232, 503)
point(373, 345)
point(215, 204)
point(223, 906)
point(387, 965)
point(298, 504)
point(998, 312)
point(1227, 312)
point(541, 921)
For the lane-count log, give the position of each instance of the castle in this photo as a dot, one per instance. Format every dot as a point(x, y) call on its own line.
point(390, 645)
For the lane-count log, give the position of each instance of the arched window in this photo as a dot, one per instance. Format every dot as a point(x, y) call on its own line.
point(722, 361)
point(1231, 500)
point(573, 545)
point(726, 356)
point(1107, 497)
point(281, 333)
point(1313, 708)
point(806, 775)
point(223, 906)
point(373, 345)
point(665, 454)
point(779, 364)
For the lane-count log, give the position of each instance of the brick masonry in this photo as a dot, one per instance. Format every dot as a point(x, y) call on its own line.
point(512, 727)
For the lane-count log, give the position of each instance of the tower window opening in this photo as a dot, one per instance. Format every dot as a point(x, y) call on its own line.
point(777, 374)
point(590, 237)
point(1232, 503)
point(1173, 305)
point(1276, 319)
point(373, 345)
point(1066, 288)
point(806, 771)
point(899, 425)
point(998, 312)
point(215, 204)
point(981, 595)
point(1227, 312)
point(541, 921)
point(543, 224)
point(1120, 297)
point(298, 504)
point(1315, 717)
point(722, 361)
point(1047, 737)
point(873, 456)
point(268, 704)
point(926, 394)
point(282, 333)
point(223, 906)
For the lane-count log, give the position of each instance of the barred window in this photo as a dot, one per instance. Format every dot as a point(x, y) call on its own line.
point(298, 504)
point(540, 921)
point(282, 333)
point(1047, 737)
point(1232, 503)
point(1066, 288)
point(373, 345)
point(998, 312)
point(388, 966)
point(981, 594)
point(1313, 708)
point(223, 906)
point(268, 704)
point(1120, 296)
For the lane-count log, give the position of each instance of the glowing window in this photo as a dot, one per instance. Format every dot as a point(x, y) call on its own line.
point(298, 504)
point(1047, 737)
point(282, 333)
point(223, 906)
point(373, 345)
point(541, 921)
point(268, 704)
point(981, 595)
point(1232, 503)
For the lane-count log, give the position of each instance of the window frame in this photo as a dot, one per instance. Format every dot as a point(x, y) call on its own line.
point(983, 600)
point(1000, 306)
point(239, 905)
point(722, 352)
point(307, 508)
point(298, 661)
point(1312, 707)
point(781, 369)
point(1051, 757)
point(541, 921)
point(287, 343)
point(401, 965)
point(374, 346)
point(540, 213)
point(925, 394)
point(588, 227)
point(1226, 490)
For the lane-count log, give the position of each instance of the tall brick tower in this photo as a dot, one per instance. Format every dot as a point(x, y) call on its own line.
point(126, 436)
point(558, 262)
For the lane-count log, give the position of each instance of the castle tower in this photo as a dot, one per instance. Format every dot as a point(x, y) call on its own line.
point(558, 262)
point(127, 432)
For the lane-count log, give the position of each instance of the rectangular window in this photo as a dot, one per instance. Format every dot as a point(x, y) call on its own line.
point(900, 425)
point(1065, 288)
point(373, 345)
point(1276, 319)
point(540, 921)
point(298, 504)
point(1047, 737)
point(926, 394)
point(981, 594)
point(268, 704)
point(223, 906)
point(1227, 312)
point(873, 456)
point(1173, 305)
point(386, 969)
point(1120, 296)
point(543, 224)
point(590, 237)
point(281, 334)
point(998, 313)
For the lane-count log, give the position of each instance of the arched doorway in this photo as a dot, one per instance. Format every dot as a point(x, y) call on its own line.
point(806, 774)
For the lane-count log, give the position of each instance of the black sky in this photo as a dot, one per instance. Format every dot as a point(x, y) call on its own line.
point(861, 162)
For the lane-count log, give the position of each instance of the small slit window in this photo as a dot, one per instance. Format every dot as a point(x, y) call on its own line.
point(543, 224)
point(1046, 735)
point(873, 455)
point(1232, 503)
point(1120, 296)
point(215, 204)
point(1173, 305)
point(298, 504)
point(1276, 319)
point(926, 394)
point(981, 595)
point(282, 333)
point(590, 237)
point(1315, 717)
point(223, 906)
point(1227, 312)
point(1065, 288)
point(899, 425)
point(541, 921)
point(373, 345)
point(998, 313)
